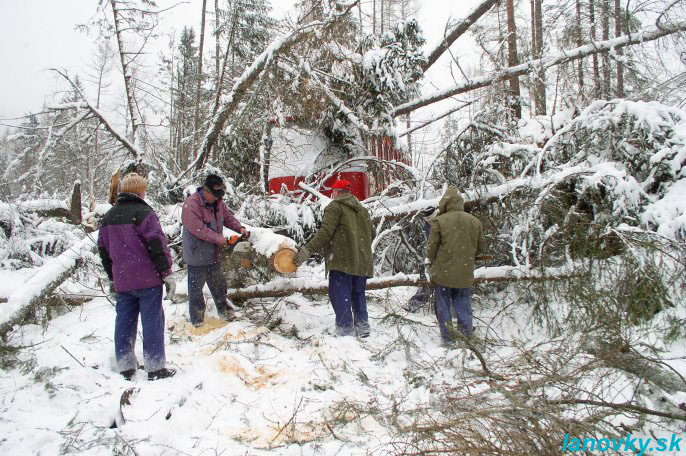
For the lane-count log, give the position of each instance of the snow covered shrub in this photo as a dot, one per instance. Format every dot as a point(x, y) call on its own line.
point(478, 152)
point(27, 238)
point(294, 217)
point(633, 156)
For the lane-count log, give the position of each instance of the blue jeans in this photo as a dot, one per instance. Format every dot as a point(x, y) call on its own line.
point(148, 303)
point(349, 302)
point(216, 282)
point(459, 301)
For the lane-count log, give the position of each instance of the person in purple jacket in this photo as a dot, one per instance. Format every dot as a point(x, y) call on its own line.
point(204, 217)
point(133, 249)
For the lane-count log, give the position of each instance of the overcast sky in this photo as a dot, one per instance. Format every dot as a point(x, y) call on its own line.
point(36, 35)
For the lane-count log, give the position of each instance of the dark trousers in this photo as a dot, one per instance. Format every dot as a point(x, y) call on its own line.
point(457, 301)
point(148, 303)
point(216, 282)
point(349, 302)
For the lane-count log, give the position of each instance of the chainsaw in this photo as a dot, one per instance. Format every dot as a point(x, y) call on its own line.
point(239, 245)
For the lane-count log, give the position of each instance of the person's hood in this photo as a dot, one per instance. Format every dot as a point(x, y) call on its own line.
point(349, 200)
point(451, 201)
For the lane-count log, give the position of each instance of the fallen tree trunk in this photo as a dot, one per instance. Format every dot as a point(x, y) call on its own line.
point(37, 288)
point(457, 31)
point(305, 285)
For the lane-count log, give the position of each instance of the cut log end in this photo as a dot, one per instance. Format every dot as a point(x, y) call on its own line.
point(284, 260)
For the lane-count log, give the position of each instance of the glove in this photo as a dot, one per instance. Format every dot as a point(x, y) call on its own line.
point(302, 256)
point(245, 233)
point(109, 288)
point(169, 287)
point(427, 212)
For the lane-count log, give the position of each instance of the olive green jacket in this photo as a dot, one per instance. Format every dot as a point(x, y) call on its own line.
point(456, 237)
point(346, 237)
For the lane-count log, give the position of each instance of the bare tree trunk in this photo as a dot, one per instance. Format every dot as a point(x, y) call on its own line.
point(620, 65)
point(596, 72)
point(374, 17)
point(606, 55)
point(359, 15)
point(127, 71)
point(537, 45)
point(196, 117)
point(512, 59)
point(217, 49)
point(579, 42)
point(381, 16)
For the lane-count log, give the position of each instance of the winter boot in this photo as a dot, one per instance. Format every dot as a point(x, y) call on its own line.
point(162, 373)
point(229, 315)
point(128, 374)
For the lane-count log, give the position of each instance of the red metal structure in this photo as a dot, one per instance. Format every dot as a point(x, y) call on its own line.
point(296, 152)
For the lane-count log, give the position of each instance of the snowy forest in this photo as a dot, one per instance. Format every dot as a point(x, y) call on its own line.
point(563, 126)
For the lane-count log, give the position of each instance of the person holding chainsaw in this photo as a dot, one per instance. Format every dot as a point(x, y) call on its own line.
point(204, 217)
point(133, 250)
point(346, 238)
point(454, 240)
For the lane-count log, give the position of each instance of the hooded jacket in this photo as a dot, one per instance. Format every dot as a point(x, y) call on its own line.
point(346, 237)
point(133, 248)
point(455, 239)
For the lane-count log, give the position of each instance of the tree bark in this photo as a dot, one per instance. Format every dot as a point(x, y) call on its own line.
point(596, 72)
point(619, 51)
point(513, 60)
point(127, 71)
point(196, 116)
point(606, 55)
point(75, 205)
point(217, 49)
point(539, 79)
point(579, 42)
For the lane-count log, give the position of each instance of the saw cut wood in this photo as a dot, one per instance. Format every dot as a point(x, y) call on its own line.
point(284, 260)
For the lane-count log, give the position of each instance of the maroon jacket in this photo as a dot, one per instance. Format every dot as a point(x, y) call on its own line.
point(202, 229)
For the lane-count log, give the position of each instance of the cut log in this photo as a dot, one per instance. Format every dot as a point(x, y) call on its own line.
point(284, 260)
point(285, 286)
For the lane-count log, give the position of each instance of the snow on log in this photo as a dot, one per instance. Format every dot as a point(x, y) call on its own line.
point(493, 193)
point(308, 285)
point(279, 250)
point(42, 283)
point(41, 207)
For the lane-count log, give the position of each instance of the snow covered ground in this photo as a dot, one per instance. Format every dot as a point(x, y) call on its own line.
point(240, 389)
point(243, 388)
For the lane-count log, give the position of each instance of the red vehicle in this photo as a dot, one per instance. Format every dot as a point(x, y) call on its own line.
point(298, 152)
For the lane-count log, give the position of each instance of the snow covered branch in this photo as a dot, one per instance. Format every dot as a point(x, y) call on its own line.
point(43, 282)
point(128, 145)
point(306, 285)
point(545, 62)
point(240, 88)
point(457, 31)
